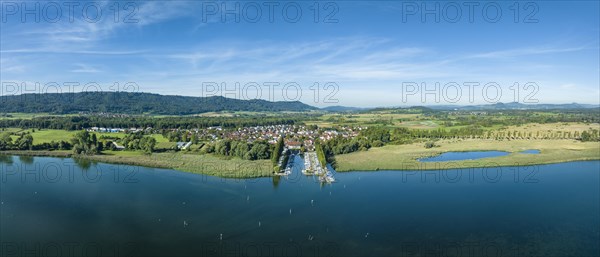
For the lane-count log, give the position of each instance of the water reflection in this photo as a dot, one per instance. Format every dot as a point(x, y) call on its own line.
point(7, 159)
point(26, 159)
point(276, 181)
point(83, 163)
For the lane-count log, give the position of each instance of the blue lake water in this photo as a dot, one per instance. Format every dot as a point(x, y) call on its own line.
point(458, 156)
point(531, 151)
point(51, 205)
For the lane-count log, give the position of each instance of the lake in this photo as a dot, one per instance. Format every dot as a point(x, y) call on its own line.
point(459, 156)
point(52, 206)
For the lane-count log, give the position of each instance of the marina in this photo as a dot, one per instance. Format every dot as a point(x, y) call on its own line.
point(312, 167)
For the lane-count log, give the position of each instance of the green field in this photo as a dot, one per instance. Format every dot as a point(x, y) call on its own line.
point(49, 135)
point(406, 120)
point(428, 124)
point(46, 135)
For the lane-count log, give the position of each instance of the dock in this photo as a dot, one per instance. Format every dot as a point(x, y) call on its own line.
point(312, 167)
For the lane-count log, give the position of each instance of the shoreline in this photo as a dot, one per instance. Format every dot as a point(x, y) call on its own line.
point(191, 163)
point(235, 168)
point(450, 165)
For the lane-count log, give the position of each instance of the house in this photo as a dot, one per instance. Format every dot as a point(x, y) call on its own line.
point(183, 145)
point(118, 147)
point(293, 144)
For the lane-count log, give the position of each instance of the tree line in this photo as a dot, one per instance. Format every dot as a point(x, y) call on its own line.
point(257, 150)
point(88, 121)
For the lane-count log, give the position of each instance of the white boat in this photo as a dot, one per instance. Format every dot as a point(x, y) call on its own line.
point(327, 179)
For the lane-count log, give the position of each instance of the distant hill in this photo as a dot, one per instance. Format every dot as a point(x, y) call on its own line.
point(338, 108)
point(513, 106)
point(137, 103)
point(482, 107)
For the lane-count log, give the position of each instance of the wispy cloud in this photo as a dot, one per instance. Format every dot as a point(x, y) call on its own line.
point(11, 65)
point(83, 36)
point(84, 68)
point(71, 51)
point(525, 52)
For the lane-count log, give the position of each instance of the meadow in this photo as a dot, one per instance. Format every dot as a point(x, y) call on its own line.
point(407, 120)
point(190, 162)
point(405, 157)
point(41, 136)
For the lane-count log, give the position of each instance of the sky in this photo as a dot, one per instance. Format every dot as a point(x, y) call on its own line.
point(350, 53)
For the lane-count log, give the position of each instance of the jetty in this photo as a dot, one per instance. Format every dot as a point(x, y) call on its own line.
point(313, 167)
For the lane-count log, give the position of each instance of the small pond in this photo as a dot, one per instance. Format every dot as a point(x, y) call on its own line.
point(459, 156)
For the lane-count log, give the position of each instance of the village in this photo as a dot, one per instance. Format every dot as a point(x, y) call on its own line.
point(295, 136)
point(298, 140)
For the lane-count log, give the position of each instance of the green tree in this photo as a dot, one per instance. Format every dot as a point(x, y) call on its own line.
point(25, 142)
point(83, 143)
point(5, 141)
point(277, 151)
point(147, 144)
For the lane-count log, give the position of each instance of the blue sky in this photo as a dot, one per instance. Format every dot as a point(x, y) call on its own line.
point(360, 53)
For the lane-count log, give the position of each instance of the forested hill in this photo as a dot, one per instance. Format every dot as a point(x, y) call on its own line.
point(136, 103)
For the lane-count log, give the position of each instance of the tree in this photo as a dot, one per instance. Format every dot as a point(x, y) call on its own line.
point(223, 147)
point(25, 142)
point(147, 144)
point(277, 151)
point(5, 141)
point(83, 143)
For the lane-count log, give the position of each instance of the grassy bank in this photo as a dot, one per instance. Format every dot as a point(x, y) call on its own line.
point(194, 163)
point(404, 157)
